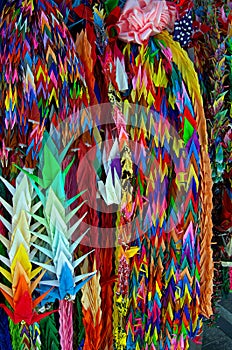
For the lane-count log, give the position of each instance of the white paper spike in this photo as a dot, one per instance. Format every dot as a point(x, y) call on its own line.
point(35, 226)
point(36, 207)
point(5, 241)
point(44, 250)
point(7, 206)
point(6, 223)
point(84, 276)
point(33, 253)
point(79, 260)
point(8, 185)
point(77, 241)
point(44, 238)
point(74, 227)
point(5, 260)
point(73, 212)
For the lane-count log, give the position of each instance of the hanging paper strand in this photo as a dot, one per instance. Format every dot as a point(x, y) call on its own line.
point(35, 335)
point(18, 247)
point(91, 301)
point(24, 331)
point(211, 44)
point(86, 203)
point(49, 334)
point(66, 324)
point(16, 340)
point(125, 213)
point(206, 264)
point(25, 336)
point(5, 340)
point(89, 151)
point(42, 84)
point(87, 43)
point(186, 277)
point(58, 236)
point(107, 157)
point(107, 278)
point(78, 327)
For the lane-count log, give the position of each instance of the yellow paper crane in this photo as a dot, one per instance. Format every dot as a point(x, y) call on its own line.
point(20, 295)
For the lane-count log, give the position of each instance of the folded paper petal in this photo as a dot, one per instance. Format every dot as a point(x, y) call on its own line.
point(144, 18)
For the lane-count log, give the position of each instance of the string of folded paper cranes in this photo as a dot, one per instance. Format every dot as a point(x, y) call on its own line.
point(150, 290)
point(212, 42)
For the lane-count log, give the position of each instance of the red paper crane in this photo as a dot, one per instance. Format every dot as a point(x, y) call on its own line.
point(20, 295)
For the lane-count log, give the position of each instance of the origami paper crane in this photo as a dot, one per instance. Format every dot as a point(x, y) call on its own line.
point(111, 190)
point(56, 244)
point(45, 82)
point(19, 227)
point(19, 296)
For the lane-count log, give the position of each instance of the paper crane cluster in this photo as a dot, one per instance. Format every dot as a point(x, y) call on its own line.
point(42, 81)
point(19, 296)
point(55, 244)
point(106, 186)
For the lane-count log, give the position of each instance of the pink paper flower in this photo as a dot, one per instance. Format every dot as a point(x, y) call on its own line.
point(144, 18)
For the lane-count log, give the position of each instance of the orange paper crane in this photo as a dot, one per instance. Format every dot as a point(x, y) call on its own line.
point(20, 295)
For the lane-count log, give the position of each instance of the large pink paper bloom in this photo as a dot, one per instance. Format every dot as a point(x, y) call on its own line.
point(143, 18)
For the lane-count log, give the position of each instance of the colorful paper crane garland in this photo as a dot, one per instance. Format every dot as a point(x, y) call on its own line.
point(42, 82)
point(157, 281)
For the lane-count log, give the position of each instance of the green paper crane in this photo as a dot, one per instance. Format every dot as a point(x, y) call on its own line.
point(57, 246)
point(56, 242)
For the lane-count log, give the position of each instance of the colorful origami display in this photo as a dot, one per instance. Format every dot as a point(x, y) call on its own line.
point(104, 148)
point(55, 243)
point(20, 295)
point(41, 79)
